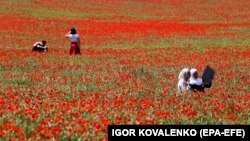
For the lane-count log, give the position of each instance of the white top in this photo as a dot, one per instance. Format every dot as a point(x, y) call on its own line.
point(182, 83)
point(73, 37)
point(194, 81)
point(183, 86)
point(197, 81)
point(39, 45)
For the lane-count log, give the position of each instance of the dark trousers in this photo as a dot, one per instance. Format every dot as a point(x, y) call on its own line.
point(39, 49)
point(200, 88)
point(197, 88)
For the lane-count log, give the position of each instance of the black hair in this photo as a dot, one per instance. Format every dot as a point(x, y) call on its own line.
point(73, 31)
point(44, 42)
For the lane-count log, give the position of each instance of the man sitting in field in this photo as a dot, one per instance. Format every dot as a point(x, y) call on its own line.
point(40, 46)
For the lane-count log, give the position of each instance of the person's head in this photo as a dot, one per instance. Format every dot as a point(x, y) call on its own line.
point(73, 31)
point(184, 74)
point(44, 42)
point(194, 73)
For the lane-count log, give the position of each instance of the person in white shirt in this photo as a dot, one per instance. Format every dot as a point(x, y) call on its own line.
point(196, 83)
point(194, 77)
point(40, 46)
point(75, 41)
point(183, 84)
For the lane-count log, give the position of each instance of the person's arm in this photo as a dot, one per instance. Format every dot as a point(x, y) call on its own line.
point(67, 35)
point(38, 45)
point(41, 46)
point(206, 85)
point(35, 44)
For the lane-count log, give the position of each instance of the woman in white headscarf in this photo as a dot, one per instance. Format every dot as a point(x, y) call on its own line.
point(194, 77)
point(183, 84)
point(195, 82)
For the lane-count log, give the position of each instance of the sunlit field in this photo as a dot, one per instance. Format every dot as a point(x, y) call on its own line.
point(131, 54)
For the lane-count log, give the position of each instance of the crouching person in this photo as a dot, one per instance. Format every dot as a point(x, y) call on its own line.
point(183, 84)
point(198, 84)
point(40, 46)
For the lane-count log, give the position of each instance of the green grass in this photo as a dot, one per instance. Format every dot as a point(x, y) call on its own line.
point(178, 41)
point(16, 81)
point(137, 10)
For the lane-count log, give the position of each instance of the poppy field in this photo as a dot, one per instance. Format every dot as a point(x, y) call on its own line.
point(131, 54)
